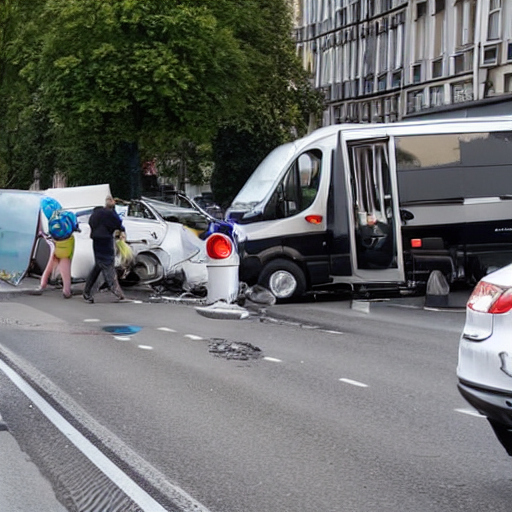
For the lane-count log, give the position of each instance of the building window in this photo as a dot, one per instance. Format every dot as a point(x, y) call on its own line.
point(383, 52)
point(437, 96)
point(463, 62)
point(437, 68)
point(416, 73)
point(439, 20)
point(493, 27)
point(465, 26)
point(462, 92)
point(414, 101)
point(490, 55)
point(420, 31)
point(382, 82)
point(509, 51)
point(396, 79)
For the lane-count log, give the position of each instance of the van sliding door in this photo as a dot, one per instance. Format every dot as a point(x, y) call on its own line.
point(376, 251)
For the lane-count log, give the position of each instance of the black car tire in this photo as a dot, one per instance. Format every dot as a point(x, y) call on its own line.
point(283, 278)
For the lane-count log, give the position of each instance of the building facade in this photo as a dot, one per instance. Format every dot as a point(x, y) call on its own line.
point(387, 60)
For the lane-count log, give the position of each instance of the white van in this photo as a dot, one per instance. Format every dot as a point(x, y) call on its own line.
point(379, 207)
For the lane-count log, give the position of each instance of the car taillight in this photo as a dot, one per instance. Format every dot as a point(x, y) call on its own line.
point(218, 246)
point(490, 298)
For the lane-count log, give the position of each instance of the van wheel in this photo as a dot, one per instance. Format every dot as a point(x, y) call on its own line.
point(283, 278)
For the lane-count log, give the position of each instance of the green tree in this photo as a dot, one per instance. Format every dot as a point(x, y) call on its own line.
point(279, 102)
point(130, 75)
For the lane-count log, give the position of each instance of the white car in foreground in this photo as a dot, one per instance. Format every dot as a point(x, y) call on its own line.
point(485, 353)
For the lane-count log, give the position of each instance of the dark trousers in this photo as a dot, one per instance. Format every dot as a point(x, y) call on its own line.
point(108, 271)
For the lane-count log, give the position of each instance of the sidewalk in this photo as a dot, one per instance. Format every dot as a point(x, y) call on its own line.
point(22, 487)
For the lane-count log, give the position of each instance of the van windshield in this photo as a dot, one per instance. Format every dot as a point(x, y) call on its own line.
point(264, 178)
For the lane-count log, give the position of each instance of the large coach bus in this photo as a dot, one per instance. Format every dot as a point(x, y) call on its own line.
point(379, 207)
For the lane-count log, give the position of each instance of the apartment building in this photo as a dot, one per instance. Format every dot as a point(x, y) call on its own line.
point(387, 60)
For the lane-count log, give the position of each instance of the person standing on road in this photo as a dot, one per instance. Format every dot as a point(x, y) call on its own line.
point(62, 245)
point(104, 222)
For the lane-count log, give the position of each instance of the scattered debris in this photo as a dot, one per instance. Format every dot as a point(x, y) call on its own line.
point(221, 310)
point(238, 350)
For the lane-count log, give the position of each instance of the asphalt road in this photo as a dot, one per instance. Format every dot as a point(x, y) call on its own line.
point(342, 410)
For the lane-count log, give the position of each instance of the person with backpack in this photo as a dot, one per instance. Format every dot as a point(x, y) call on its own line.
point(61, 226)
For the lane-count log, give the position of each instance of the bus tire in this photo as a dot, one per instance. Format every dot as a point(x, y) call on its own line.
point(283, 278)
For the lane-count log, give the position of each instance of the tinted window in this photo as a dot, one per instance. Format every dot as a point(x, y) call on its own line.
point(298, 188)
point(454, 166)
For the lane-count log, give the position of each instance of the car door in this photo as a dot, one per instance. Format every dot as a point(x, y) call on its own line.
point(143, 225)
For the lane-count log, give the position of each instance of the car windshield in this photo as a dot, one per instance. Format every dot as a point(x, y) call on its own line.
point(187, 216)
point(19, 221)
point(263, 179)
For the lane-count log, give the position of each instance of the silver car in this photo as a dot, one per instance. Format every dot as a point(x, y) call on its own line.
point(485, 353)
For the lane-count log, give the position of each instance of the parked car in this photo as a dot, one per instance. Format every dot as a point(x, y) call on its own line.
point(485, 353)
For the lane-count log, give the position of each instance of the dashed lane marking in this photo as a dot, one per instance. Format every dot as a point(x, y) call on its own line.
point(91, 319)
point(145, 347)
point(193, 337)
point(354, 383)
point(165, 329)
point(272, 359)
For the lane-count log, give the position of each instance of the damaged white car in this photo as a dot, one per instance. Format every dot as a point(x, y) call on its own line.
point(166, 254)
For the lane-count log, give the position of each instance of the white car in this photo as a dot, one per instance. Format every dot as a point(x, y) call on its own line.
point(485, 353)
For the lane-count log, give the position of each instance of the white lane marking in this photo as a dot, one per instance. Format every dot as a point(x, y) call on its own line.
point(122, 338)
point(193, 337)
point(470, 412)
point(331, 332)
point(91, 320)
point(354, 383)
point(166, 329)
point(125, 483)
point(272, 359)
point(145, 347)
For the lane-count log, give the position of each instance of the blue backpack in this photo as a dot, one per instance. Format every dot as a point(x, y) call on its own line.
point(61, 225)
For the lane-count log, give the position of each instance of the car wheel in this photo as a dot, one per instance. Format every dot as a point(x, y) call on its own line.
point(283, 278)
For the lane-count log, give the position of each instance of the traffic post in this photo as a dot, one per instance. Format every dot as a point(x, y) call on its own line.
point(222, 265)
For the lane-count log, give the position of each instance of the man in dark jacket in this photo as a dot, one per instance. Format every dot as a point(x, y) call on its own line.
point(104, 222)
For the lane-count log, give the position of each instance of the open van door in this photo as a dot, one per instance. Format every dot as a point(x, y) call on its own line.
point(376, 248)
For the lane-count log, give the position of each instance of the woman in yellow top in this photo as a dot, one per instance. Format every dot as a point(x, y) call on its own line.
point(61, 253)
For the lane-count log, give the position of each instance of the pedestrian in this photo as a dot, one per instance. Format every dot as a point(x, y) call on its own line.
point(62, 224)
point(104, 221)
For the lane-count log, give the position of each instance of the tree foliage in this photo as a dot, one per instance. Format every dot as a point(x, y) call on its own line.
point(91, 88)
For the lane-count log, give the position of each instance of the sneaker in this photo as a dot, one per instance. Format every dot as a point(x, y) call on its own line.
point(37, 291)
point(67, 295)
point(88, 299)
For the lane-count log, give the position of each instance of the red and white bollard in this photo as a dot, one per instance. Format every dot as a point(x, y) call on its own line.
point(222, 266)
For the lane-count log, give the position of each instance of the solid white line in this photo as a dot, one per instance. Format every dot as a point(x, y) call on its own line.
point(193, 337)
point(470, 412)
point(166, 329)
point(273, 359)
point(123, 481)
point(354, 383)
